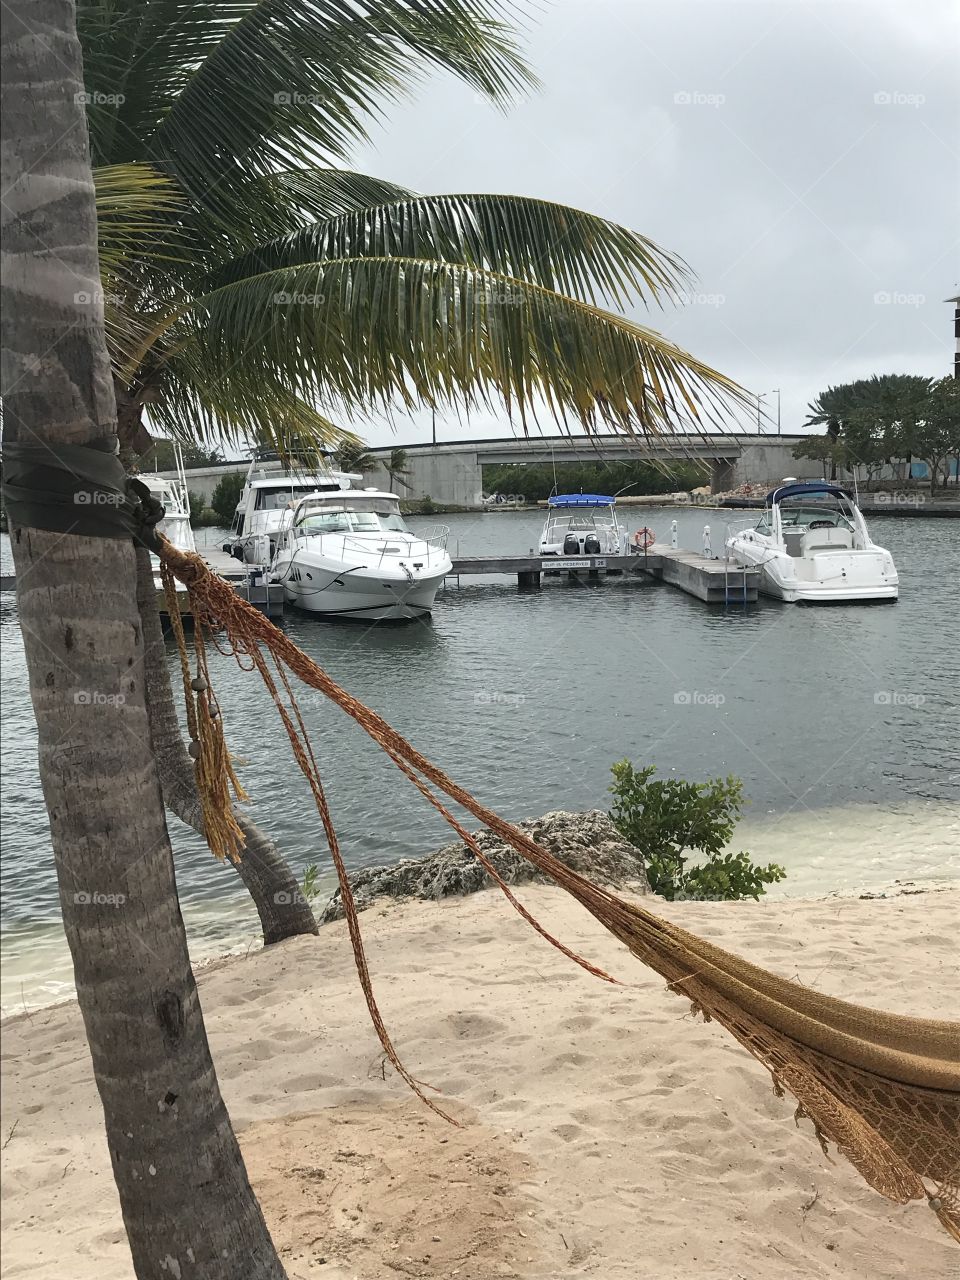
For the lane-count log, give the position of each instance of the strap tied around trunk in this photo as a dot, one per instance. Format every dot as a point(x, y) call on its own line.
point(78, 488)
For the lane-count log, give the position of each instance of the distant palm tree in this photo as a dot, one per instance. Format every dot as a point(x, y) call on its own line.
point(396, 467)
point(352, 455)
point(831, 408)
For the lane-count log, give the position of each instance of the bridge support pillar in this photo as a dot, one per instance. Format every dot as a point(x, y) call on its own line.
point(723, 475)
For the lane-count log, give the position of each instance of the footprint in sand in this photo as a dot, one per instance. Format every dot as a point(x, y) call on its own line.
point(473, 1026)
point(582, 1022)
point(567, 1131)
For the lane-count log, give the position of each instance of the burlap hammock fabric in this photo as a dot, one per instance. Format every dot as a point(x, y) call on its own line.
point(883, 1087)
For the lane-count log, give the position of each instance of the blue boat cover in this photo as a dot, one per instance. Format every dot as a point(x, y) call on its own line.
point(819, 488)
point(580, 500)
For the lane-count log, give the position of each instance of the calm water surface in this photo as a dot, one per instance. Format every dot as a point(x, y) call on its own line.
point(842, 722)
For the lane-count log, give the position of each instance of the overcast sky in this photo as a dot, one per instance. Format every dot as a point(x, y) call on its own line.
point(802, 157)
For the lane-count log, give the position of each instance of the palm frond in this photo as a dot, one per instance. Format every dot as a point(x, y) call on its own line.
point(315, 194)
point(303, 78)
point(137, 210)
point(138, 56)
point(552, 245)
point(371, 333)
point(192, 399)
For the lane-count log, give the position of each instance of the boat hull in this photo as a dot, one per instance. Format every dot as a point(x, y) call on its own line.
point(834, 577)
point(342, 591)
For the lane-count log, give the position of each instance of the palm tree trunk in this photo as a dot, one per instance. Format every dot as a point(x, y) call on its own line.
point(187, 1204)
point(282, 908)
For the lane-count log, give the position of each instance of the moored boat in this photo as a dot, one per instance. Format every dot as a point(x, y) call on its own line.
point(350, 554)
point(271, 490)
point(582, 524)
point(812, 545)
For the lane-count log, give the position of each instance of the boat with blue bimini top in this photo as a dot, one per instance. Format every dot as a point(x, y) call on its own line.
point(812, 545)
point(582, 524)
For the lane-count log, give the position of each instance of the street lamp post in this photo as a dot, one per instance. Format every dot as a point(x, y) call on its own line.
point(762, 395)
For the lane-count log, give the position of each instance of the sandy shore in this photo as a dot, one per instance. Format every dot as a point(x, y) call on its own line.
point(606, 1133)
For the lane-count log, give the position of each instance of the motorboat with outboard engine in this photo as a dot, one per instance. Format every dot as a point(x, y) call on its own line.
point(582, 524)
point(350, 554)
point(811, 544)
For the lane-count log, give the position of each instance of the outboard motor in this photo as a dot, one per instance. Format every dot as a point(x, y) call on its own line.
point(571, 545)
point(591, 545)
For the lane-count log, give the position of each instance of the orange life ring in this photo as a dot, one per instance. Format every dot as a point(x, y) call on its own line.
point(644, 538)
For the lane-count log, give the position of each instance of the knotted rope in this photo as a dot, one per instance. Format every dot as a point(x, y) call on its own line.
point(885, 1088)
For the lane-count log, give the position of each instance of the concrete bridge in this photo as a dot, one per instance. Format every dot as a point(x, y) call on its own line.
point(452, 473)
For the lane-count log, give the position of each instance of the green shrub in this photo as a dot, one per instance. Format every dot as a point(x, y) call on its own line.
point(201, 516)
point(665, 818)
point(310, 888)
point(226, 496)
point(427, 507)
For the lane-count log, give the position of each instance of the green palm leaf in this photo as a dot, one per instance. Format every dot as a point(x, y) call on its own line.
point(368, 333)
point(549, 244)
point(298, 78)
point(192, 398)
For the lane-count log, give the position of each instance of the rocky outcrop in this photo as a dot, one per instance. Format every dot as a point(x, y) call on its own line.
point(587, 842)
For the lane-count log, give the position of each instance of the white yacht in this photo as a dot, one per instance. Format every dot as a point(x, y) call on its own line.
point(270, 492)
point(348, 553)
point(582, 524)
point(811, 544)
point(175, 524)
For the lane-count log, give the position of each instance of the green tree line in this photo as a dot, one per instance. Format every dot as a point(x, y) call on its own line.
point(537, 482)
point(886, 419)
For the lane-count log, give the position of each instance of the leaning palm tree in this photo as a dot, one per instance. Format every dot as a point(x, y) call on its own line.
point(396, 468)
point(256, 288)
point(352, 455)
point(184, 1193)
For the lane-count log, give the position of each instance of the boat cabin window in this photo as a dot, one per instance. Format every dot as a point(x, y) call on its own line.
point(819, 517)
point(278, 499)
point(362, 516)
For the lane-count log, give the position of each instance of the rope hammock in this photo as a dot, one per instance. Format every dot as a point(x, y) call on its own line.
point(883, 1087)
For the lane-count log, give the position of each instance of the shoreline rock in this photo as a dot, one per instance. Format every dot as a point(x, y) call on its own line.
point(587, 842)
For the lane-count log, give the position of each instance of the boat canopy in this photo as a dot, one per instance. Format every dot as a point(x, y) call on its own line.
point(815, 488)
point(580, 500)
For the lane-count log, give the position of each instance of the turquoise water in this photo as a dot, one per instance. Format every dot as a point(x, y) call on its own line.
point(841, 721)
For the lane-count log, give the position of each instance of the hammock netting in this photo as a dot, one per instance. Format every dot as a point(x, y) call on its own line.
point(884, 1088)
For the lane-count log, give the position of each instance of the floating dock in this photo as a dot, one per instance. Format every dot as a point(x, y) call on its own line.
point(713, 581)
point(250, 584)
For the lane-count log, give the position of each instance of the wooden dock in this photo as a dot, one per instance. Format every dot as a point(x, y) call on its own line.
point(713, 581)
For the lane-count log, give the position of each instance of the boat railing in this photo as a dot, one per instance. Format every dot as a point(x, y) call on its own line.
point(435, 534)
point(388, 548)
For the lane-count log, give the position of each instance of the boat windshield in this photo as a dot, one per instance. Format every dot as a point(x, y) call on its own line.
point(362, 516)
point(581, 519)
point(808, 515)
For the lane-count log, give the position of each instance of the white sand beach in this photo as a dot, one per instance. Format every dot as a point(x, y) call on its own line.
point(606, 1133)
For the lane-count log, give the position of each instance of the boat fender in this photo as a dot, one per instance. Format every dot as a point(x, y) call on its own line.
point(644, 538)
